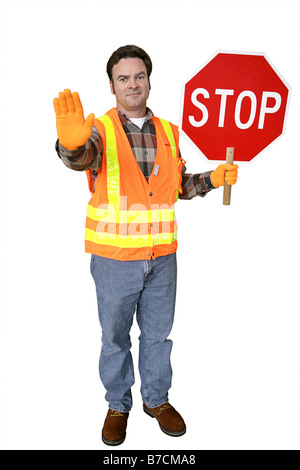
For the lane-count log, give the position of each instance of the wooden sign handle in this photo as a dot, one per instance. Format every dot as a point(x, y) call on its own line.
point(227, 187)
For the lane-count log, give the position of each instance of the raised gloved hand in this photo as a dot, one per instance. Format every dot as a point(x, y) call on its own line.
point(224, 172)
point(72, 129)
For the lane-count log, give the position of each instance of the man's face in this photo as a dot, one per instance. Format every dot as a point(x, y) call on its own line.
point(131, 86)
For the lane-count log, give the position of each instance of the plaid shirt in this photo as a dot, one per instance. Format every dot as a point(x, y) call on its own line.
point(144, 145)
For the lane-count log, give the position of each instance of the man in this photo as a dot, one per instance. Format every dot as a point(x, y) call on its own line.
point(135, 174)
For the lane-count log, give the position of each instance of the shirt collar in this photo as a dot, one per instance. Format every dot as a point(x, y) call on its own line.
point(124, 119)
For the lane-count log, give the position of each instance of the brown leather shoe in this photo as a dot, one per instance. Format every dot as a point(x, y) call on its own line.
point(168, 418)
point(114, 429)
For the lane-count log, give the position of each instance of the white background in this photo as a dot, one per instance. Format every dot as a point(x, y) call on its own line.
point(236, 334)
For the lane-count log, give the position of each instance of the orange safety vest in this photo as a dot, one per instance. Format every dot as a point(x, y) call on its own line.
point(129, 218)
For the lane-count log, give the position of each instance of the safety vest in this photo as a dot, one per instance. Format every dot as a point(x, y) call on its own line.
point(129, 218)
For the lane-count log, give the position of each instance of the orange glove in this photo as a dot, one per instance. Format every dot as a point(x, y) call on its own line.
point(225, 172)
point(72, 129)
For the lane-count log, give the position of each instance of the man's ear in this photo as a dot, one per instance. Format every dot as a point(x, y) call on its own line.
point(112, 87)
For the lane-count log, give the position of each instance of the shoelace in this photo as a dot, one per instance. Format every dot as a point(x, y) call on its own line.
point(164, 407)
point(116, 413)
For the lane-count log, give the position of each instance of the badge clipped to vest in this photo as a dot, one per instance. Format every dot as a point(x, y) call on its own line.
point(156, 170)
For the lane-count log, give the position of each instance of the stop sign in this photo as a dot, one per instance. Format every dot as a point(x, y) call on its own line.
point(235, 100)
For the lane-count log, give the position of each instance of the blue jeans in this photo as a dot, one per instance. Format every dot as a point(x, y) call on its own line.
point(149, 289)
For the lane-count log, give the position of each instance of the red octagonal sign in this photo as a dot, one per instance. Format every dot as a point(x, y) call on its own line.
point(235, 100)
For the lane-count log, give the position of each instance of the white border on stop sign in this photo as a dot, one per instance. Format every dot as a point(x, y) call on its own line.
point(198, 70)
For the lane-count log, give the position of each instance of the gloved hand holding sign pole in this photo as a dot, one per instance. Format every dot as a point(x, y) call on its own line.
point(225, 175)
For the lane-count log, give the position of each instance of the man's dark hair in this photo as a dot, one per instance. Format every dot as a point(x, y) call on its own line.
point(125, 52)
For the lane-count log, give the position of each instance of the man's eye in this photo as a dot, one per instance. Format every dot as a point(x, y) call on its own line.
point(141, 77)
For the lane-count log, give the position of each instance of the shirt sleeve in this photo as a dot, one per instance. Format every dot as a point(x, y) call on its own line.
point(86, 157)
point(198, 184)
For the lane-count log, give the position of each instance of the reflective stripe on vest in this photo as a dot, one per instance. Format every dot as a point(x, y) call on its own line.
point(108, 231)
point(169, 133)
point(130, 241)
point(113, 170)
point(130, 216)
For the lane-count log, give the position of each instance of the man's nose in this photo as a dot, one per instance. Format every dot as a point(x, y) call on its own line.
point(132, 82)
